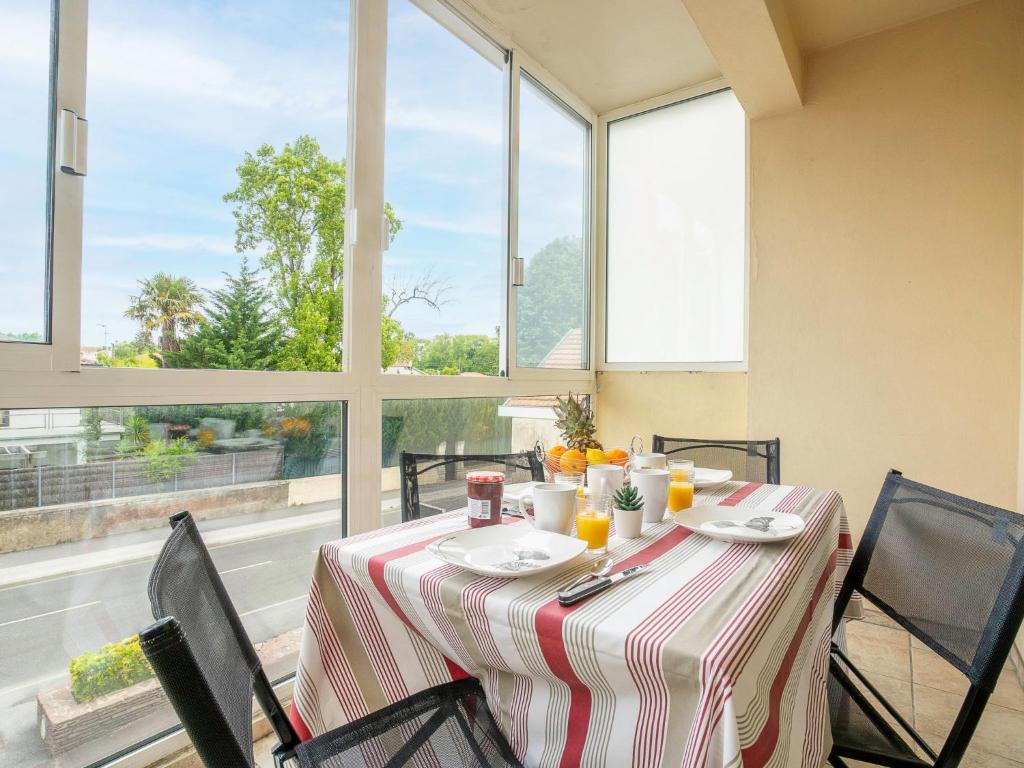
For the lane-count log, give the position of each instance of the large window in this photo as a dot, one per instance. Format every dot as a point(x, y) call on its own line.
point(676, 272)
point(444, 273)
point(215, 201)
point(25, 170)
point(84, 498)
point(554, 219)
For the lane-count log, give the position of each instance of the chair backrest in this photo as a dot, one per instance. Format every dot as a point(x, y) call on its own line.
point(202, 654)
point(755, 461)
point(950, 571)
point(436, 483)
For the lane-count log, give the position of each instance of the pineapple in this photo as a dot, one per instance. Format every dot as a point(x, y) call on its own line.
point(628, 498)
point(576, 423)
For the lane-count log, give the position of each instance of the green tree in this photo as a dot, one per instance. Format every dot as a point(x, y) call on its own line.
point(450, 355)
point(237, 332)
point(168, 304)
point(137, 353)
point(392, 338)
point(553, 300)
point(291, 204)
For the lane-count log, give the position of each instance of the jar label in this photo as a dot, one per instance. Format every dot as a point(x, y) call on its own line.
point(480, 509)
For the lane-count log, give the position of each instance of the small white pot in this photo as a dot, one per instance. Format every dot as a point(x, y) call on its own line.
point(628, 522)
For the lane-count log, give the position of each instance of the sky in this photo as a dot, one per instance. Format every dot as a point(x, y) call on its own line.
point(178, 92)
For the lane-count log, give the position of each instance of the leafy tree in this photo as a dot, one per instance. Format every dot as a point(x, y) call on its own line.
point(292, 205)
point(237, 332)
point(552, 302)
point(392, 338)
point(168, 304)
point(137, 353)
point(20, 336)
point(450, 355)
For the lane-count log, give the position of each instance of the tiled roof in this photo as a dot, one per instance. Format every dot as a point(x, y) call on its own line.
point(567, 353)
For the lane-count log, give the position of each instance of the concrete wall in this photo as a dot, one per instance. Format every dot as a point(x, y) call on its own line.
point(885, 293)
point(886, 261)
point(712, 405)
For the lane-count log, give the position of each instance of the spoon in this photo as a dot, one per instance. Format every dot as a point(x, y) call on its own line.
point(601, 568)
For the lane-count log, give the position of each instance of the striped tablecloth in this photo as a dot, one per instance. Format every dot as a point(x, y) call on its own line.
point(717, 656)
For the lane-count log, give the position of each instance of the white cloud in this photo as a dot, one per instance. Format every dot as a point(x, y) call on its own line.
point(164, 242)
point(468, 225)
point(451, 122)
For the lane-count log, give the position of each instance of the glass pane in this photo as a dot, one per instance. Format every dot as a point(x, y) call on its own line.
point(214, 207)
point(24, 169)
point(676, 233)
point(554, 201)
point(480, 425)
point(85, 494)
point(444, 283)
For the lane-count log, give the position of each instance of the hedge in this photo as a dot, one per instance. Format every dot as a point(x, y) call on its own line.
point(108, 669)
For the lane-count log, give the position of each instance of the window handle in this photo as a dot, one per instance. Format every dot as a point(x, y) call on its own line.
point(518, 271)
point(74, 140)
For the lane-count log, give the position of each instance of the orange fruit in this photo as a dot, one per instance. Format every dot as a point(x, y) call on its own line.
point(616, 455)
point(556, 450)
point(572, 461)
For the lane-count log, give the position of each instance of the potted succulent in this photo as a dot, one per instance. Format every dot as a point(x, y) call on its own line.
point(628, 506)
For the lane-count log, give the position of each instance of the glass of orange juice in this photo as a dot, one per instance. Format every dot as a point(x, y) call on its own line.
point(680, 495)
point(592, 527)
point(682, 470)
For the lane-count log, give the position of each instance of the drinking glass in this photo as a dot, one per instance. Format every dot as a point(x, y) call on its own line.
point(592, 526)
point(680, 495)
point(682, 470)
point(574, 478)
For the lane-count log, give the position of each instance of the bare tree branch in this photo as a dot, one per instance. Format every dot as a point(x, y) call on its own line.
point(429, 288)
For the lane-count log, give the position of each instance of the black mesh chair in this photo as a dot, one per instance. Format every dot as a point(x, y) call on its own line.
point(755, 461)
point(436, 483)
point(950, 571)
point(210, 671)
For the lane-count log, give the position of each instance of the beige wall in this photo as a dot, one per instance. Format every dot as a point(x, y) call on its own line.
point(886, 261)
point(710, 405)
point(886, 251)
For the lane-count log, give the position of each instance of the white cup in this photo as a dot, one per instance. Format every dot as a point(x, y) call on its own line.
point(652, 484)
point(611, 474)
point(648, 461)
point(550, 506)
point(628, 523)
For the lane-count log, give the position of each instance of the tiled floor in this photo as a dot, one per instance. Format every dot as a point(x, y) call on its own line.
point(928, 692)
point(924, 688)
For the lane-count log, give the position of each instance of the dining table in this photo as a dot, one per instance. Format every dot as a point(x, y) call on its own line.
point(717, 655)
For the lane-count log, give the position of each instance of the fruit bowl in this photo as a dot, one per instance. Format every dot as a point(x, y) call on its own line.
point(571, 460)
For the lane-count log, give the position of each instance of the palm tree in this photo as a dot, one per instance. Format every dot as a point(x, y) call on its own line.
point(166, 303)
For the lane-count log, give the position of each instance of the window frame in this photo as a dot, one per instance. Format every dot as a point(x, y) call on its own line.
point(601, 209)
point(50, 375)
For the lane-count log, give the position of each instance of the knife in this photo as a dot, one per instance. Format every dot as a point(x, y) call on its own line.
point(573, 595)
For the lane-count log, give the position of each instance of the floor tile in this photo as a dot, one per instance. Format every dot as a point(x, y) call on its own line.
point(878, 649)
point(874, 616)
point(1000, 733)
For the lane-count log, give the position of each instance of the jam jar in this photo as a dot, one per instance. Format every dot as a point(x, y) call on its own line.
point(484, 491)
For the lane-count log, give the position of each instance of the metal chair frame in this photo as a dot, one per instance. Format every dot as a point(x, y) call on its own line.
point(769, 450)
point(411, 471)
point(997, 639)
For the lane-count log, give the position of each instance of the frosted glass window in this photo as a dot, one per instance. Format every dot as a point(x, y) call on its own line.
point(676, 234)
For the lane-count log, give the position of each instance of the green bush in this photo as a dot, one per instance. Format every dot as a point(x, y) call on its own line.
point(165, 458)
point(108, 669)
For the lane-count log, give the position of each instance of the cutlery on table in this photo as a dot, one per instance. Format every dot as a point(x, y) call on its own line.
point(601, 568)
point(573, 594)
point(761, 524)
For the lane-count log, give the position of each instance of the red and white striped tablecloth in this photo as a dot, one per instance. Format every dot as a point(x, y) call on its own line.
point(717, 656)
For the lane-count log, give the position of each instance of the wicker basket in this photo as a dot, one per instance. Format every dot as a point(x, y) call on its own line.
point(553, 464)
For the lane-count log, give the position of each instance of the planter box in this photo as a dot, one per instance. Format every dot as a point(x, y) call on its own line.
point(66, 726)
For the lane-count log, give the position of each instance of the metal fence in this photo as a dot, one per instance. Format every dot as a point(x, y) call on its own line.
point(44, 486)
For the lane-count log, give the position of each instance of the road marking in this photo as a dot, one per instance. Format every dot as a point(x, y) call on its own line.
point(50, 613)
point(243, 567)
point(31, 683)
point(273, 605)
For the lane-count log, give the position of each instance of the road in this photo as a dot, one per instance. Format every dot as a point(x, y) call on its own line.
point(44, 624)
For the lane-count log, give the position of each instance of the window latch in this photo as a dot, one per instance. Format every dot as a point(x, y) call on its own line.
point(518, 271)
point(74, 140)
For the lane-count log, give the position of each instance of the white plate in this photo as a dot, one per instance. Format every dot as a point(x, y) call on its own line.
point(481, 550)
point(699, 519)
point(704, 478)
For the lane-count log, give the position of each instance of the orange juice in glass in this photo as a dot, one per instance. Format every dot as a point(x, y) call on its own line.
point(592, 527)
point(682, 470)
point(680, 495)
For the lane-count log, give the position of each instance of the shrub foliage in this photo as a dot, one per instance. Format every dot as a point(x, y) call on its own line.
point(108, 669)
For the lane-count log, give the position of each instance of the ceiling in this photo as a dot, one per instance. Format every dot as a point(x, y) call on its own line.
point(608, 52)
point(821, 24)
